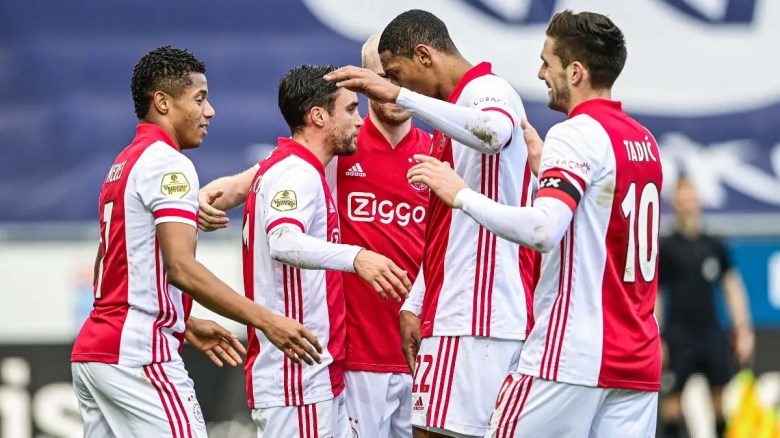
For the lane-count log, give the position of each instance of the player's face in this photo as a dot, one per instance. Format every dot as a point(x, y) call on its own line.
point(388, 113)
point(409, 73)
point(554, 75)
point(686, 201)
point(191, 111)
point(344, 123)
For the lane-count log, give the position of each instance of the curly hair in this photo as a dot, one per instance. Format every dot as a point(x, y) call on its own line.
point(592, 39)
point(414, 27)
point(164, 69)
point(303, 88)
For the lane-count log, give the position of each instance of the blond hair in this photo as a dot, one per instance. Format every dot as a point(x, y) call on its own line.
point(371, 46)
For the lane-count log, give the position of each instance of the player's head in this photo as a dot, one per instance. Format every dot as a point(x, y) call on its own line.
point(388, 113)
point(685, 200)
point(411, 45)
point(313, 106)
point(584, 51)
point(169, 89)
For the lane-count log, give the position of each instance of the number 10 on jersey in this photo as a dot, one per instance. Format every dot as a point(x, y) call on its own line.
point(644, 218)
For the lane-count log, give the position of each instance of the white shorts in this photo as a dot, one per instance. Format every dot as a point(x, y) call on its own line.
point(457, 380)
point(530, 406)
point(379, 404)
point(156, 400)
point(326, 419)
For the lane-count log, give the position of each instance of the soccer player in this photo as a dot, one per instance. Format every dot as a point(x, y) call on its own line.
point(291, 236)
point(591, 365)
point(692, 263)
point(381, 211)
point(127, 372)
point(469, 303)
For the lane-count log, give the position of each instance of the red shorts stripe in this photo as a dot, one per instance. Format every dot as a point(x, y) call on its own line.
point(177, 399)
point(435, 387)
point(301, 421)
point(522, 404)
point(450, 378)
point(171, 405)
point(512, 402)
point(167, 410)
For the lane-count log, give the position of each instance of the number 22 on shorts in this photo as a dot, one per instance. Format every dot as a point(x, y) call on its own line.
point(423, 365)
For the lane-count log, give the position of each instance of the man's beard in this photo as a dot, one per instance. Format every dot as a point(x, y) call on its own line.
point(559, 99)
point(387, 115)
point(343, 143)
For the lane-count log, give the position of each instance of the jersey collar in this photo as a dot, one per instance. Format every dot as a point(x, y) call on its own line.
point(375, 134)
point(301, 152)
point(595, 105)
point(479, 70)
point(150, 130)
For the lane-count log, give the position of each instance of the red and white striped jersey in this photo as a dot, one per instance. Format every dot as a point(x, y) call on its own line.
point(290, 189)
point(472, 282)
point(138, 318)
point(595, 298)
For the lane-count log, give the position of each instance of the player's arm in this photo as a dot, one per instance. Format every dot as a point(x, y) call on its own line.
point(214, 341)
point(177, 244)
point(541, 226)
point(410, 321)
point(221, 195)
point(738, 307)
point(486, 130)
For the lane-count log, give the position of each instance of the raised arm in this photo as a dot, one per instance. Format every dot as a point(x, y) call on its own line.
point(221, 195)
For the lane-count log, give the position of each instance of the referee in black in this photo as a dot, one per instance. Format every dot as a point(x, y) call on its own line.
point(692, 263)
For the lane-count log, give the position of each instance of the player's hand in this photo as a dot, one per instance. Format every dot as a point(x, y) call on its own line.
point(214, 341)
point(293, 339)
point(382, 274)
point(365, 81)
point(210, 218)
point(534, 143)
point(744, 344)
point(410, 337)
point(438, 176)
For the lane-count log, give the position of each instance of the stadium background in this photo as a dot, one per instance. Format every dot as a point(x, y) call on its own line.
point(700, 75)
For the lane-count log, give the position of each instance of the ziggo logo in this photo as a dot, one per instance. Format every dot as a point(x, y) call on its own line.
point(364, 207)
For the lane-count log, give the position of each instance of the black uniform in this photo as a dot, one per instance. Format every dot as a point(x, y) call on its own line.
point(689, 270)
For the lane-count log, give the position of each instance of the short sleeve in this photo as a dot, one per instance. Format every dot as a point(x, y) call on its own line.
point(568, 164)
point(724, 256)
point(290, 193)
point(491, 93)
point(168, 185)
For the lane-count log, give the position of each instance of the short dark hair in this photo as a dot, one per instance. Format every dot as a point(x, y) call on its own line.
point(303, 88)
point(592, 39)
point(163, 69)
point(414, 27)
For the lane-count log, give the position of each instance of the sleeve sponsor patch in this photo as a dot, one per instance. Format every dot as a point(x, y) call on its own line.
point(175, 185)
point(284, 200)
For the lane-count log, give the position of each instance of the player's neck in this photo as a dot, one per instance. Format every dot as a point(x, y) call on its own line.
point(689, 226)
point(318, 147)
point(392, 133)
point(452, 70)
point(578, 98)
point(163, 123)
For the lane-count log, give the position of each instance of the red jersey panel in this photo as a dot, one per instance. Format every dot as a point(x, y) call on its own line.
point(380, 211)
point(138, 318)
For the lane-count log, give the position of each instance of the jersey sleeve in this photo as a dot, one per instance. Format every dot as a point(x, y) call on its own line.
point(493, 94)
point(724, 256)
point(290, 194)
point(168, 186)
point(567, 165)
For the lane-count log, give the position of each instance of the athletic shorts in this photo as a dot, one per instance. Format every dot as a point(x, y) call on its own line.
point(533, 407)
point(379, 404)
point(326, 419)
point(457, 380)
point(152, 401)
point(705, 352)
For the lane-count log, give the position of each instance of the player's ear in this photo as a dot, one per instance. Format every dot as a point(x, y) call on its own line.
point(578, 73)
point(318, 116)
point(161, 102)
point(422, 53)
